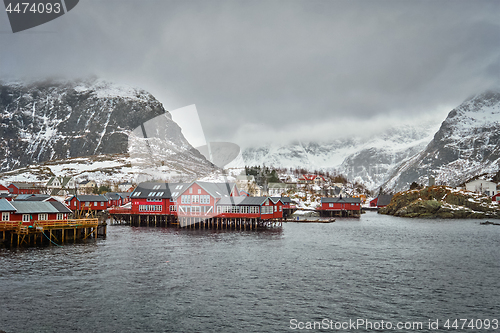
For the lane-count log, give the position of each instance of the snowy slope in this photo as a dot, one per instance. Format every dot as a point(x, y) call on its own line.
point(368, 160)
point(54, 120)
point(467, 144)
point(107, 169)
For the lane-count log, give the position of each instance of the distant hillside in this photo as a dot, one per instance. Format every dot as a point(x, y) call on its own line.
point(54, 120)
point(466, 145)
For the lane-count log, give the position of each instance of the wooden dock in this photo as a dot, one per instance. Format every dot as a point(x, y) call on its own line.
point(55, 232)
point(194, 222)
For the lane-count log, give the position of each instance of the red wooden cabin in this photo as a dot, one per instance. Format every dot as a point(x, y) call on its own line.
point(23, 188)
point(87, 202)
point(28, 212)
point(340, 204)
point(151, 198)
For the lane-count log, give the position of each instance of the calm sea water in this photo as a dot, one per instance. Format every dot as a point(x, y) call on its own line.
point(169, 280)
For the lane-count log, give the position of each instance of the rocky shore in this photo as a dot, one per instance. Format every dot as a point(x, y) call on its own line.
point(441, 202)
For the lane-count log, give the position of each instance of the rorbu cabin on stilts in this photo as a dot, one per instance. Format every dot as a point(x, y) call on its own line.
point(340, 207)
point(200, 205)
point(33, 223)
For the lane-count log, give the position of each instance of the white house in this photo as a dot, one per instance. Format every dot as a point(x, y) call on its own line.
point(482, 186)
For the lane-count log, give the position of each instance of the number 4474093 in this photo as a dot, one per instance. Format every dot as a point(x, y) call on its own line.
point(40, 8)
point(471, 324)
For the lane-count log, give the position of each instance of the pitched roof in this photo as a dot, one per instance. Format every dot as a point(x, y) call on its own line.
point(341, 200)
point(34, 207)
point(92, 198)
point(60, 207)
point(286, 200)
point(151, 190)
point(282, 199)
point(24, 185)
point(217, 190)
point(6, 206)
point(113, 196)
point(3, 188)
point(242, 201)
point(32, 197)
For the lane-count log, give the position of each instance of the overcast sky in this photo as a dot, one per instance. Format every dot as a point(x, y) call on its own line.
point(275, 70)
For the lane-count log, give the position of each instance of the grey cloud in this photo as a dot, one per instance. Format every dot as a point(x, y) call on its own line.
point(274, 64)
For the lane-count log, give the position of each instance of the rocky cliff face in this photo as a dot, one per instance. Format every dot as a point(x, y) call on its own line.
point(442, 202)
point(466, 145)
point(49, 120)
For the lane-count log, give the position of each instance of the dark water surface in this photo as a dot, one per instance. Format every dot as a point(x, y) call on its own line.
point(170, 280)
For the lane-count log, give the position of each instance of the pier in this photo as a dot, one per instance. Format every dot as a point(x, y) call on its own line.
point(55, 232)
point(193, 222)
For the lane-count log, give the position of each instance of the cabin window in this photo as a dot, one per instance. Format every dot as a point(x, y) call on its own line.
point(95, 204)
point(42, 217)
point(195, 198)
point(26, 217)
point(275, 208)
point(205, 199)
point(60, 216)
point(102, 203)
point(199, 191)
point(280, 209)
point(185, 199)
point(5, 216)
point(173, 208)
point(190, 190)
point(330, 205)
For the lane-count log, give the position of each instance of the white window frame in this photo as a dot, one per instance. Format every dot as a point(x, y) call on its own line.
point(26, 218)
point(43, 217)
point(5, 216)
point(185, 199)
point(60, 216)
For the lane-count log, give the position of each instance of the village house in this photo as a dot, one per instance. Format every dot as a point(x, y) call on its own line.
point(117, 199)
point(312, 179)
point(482, 186)
point(3, 189)
point(87, 202)
point(125, 187)
point(61, 185)
point(86, 187)
point(23, 188)
point(250, 207)
point(248, 185)
point(278, 189)
point(342, 206)
point(204, 200)
point(28, 212)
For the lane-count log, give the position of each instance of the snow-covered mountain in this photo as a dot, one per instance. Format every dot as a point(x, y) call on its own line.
point(368, 160)
point(466, 145)
point(54, 120)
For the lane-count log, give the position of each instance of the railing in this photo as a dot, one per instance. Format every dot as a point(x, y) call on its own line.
point(72, 223)
point(9, 225)
point(67, 223)
point(119, 211)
